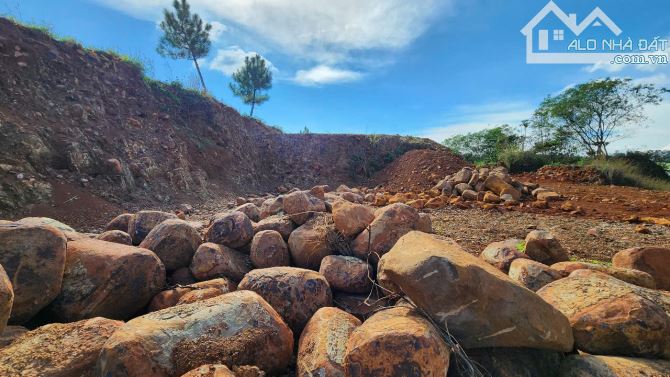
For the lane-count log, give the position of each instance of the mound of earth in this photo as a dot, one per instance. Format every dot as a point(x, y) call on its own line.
point(418, 170)
point(565, 173)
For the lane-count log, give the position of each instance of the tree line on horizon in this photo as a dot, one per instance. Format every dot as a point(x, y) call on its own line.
point(186, 36)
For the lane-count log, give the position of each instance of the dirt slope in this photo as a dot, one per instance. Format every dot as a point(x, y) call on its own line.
point(89, 120)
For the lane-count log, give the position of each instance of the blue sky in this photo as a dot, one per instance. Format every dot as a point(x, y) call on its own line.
point(430, 68)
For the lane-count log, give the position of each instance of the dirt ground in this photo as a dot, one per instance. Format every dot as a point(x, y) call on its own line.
point(584, 238)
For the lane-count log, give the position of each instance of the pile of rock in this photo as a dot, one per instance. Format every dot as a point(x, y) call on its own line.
point(357, 291)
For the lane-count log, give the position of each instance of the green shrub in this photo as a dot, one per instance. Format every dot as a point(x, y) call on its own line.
point(618, 171)
point(646, 164)
point(520, 162)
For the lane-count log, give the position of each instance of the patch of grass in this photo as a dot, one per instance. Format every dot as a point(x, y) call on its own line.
point(624, 173)
point(521, 246)
point(592, 261)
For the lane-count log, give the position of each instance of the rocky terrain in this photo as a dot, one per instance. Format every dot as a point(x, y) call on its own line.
point(170, 236)
point(326, 282)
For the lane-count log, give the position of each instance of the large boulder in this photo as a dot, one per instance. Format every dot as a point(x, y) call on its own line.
point(268, 249)
point(611, 317)
point(531, 274)
point(497, 184)
point(232, 230)
point(251, 210)
point(58, 350)
point(6, 299)
point(116, 236)
point(105, 279)
point(653, 260)
point(628, 275)
point(174, 241)
point(396, 342)
point(141, 223)
point(302, 206)
point(350, 219)
point(543, 247)
point(46, 221)
point(272, 206)
point(610, 366)
point(390, 223)
point(210, 370)
point(511, 362)
point(278, 223)
point(33, 258)
point(295, 293)
point(193, 292)
point(308, 244)
point(482, 306)
point(323, 343)
point(502, 254)
point(212, 261)
point(120, 222)
point(238, 328)
point(347, 274)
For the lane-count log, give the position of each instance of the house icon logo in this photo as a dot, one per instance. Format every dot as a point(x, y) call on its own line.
point(549, 44)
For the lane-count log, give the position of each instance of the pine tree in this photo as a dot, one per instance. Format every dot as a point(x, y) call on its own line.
point(185, 35)
point(250, 80)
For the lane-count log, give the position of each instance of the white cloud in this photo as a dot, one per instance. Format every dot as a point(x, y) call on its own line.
point(228, 60)
point(653, 135)
point(217, 30)
point(473, 118)
point(323, 74)
point(311, 32)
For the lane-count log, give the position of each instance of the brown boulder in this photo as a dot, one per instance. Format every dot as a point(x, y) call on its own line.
point(480, 304)
point(174, 241)
point(611, 317)
point(104, 279)
point(181, 276)
point(272, 206)
point(268, 249)
point(212, 261)
point(502, 254)
point(543, 247)
point(191, 293)
point(302, 206)
point(120, 222)
point(396, 342)
point(278, 223)
point(653, 260)
point(232, 230)
point(531, 274)
point(390, 223)
point(141, 223)
point(350, 219)
point(610, 366)
point(251, 210)
point(347, 274)
point(323, 343)
point(6, 299)
point(238, 328)
point(58, 350)
point(548, 196)
point(295, 293)
point(33, 258)
point(308, 244)
point(490, 197)
point(496, 184)
point(628, 275)
point(116, 236)
point(210, 370)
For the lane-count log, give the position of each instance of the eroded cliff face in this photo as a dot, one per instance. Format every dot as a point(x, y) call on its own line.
point(69, 114)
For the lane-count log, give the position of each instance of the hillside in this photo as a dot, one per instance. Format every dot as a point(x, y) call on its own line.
point(84, 120)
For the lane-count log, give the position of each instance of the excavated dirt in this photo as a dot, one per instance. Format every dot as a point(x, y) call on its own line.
point(417, 170)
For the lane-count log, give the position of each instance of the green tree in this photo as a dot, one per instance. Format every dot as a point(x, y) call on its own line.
point(599, 112)
point(185, 35)
point(484, 146)
point(250, 80)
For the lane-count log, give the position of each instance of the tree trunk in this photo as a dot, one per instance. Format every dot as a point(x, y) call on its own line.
point(253, 103)
point(197, 67)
